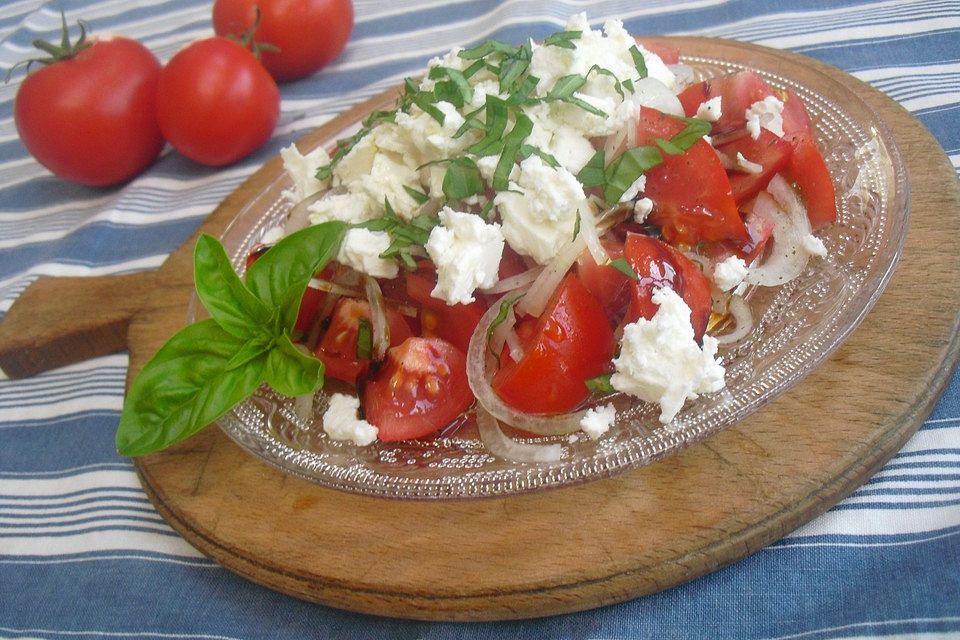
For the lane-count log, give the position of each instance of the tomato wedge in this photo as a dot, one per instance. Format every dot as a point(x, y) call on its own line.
point(736, 92)
point(571, 342)
point(338, 347)
point(769, 150)
point(421, 388)
point(807, 168)
point(607, 284)
point(658, 265)
point(454, 323)
point(691, 192)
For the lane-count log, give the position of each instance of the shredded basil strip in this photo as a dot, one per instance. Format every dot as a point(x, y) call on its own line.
point(364, 339)
point(500, 319)
point(639, 62)
point(462, 179)
point(624, 267)
point(625, 170)
point(563, 39)
point(592, 174)
point(418, 196)
point(600, 385)
point(511, 147)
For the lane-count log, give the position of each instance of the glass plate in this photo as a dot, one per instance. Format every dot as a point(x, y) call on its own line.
point(797, 327)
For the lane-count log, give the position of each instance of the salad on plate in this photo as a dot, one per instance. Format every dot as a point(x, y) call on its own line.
point(531, 231)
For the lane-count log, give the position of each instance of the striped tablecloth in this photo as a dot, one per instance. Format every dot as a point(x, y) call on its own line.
point(83, 553)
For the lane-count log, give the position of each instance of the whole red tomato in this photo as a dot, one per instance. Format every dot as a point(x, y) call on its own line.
point(89, 116)
point(308, 34)
point(216, 103)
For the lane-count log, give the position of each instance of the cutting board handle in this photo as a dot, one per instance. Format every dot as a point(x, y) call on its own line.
point(60, 321)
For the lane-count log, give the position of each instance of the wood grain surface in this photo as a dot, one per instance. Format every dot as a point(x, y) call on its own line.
point(608, 541)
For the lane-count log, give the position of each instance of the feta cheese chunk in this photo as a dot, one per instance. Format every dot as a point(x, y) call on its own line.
point(467, 254)
point(302, 170)
point(539, 212)
point(361, 250)
point(348, 207)
point(661, 362)
point(634, 189)
point(641, 209)
point(711, 110)
point(765, 114)
point(728, 275)
point(340, 421)
point(596, 421)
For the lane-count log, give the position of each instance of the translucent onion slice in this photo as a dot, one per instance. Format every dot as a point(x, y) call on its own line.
point(590, 233)
point(303, 405)
point(791, 228)
point(514, 282)
point(299, 215)
point(378, 318)
point(742, 318)
point(505, 333)
point(479, 375)
point(333, 287)
point(546, 283)
point(500, 444)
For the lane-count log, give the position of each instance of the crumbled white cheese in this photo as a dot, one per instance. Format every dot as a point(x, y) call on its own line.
point(746, 166)
point(302, 170)
point(660, 361)
point(385, 183)
point(467, 254)
point(642, 209)
point(634, 189)
point(710, 110)
point(729, 273)
point(272, 236)
point(596, 421)
point(539, 212)
point(361, 249)
point(765, 114)
point(340, 421)
point(348, 207)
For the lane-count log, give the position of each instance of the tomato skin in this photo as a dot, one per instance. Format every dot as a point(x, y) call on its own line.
point(91, 119)
point(691, 192)
point(454, 323)
point(768, 150)
point(571, 342)
point(308, 33)
point(338, 347)
point(422, 388)
point(658, 265)
point(669, 55)
point(807, 167)
point(216, 104)
point(607, 285)
point(737, 92)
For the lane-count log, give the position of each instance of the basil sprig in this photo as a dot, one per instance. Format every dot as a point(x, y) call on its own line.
point(211, 365)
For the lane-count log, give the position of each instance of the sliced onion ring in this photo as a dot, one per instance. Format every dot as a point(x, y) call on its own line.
point(742, 318)
point(378, 318)
point(500, 444)
point(514, 282)
point(479, 375)
point(546, 283)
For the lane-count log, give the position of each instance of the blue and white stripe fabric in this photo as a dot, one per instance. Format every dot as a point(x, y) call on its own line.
point(83, 553)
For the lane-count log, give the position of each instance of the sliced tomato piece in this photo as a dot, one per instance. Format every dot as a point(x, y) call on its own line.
point(511, 263)
point(691, 192)
point(421, 388)
point(669, 55)
point(454, 323)
point(659, 265)
point(770, 151)
point(338, 347)
point(796, 120)
point(808, 170)
point(572, 341)
point(737, 92)
point(607, 284)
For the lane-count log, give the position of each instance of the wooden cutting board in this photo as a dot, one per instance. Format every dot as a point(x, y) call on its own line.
point(562, 550)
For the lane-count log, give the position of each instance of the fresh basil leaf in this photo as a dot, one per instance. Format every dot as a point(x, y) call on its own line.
point(625, 170)
point(522, 94)
point(223, 293)
point(280, 276)
point(592, 174)
point(513, 67)
point(566, 87)
point(624, 267)
point(639, 62)
point(184, 387)
point(600, 384)
point(251, 350)
point(291, 371)
point(527, 150)
point(462, 179)
point(668, 147)
point(497, 113)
